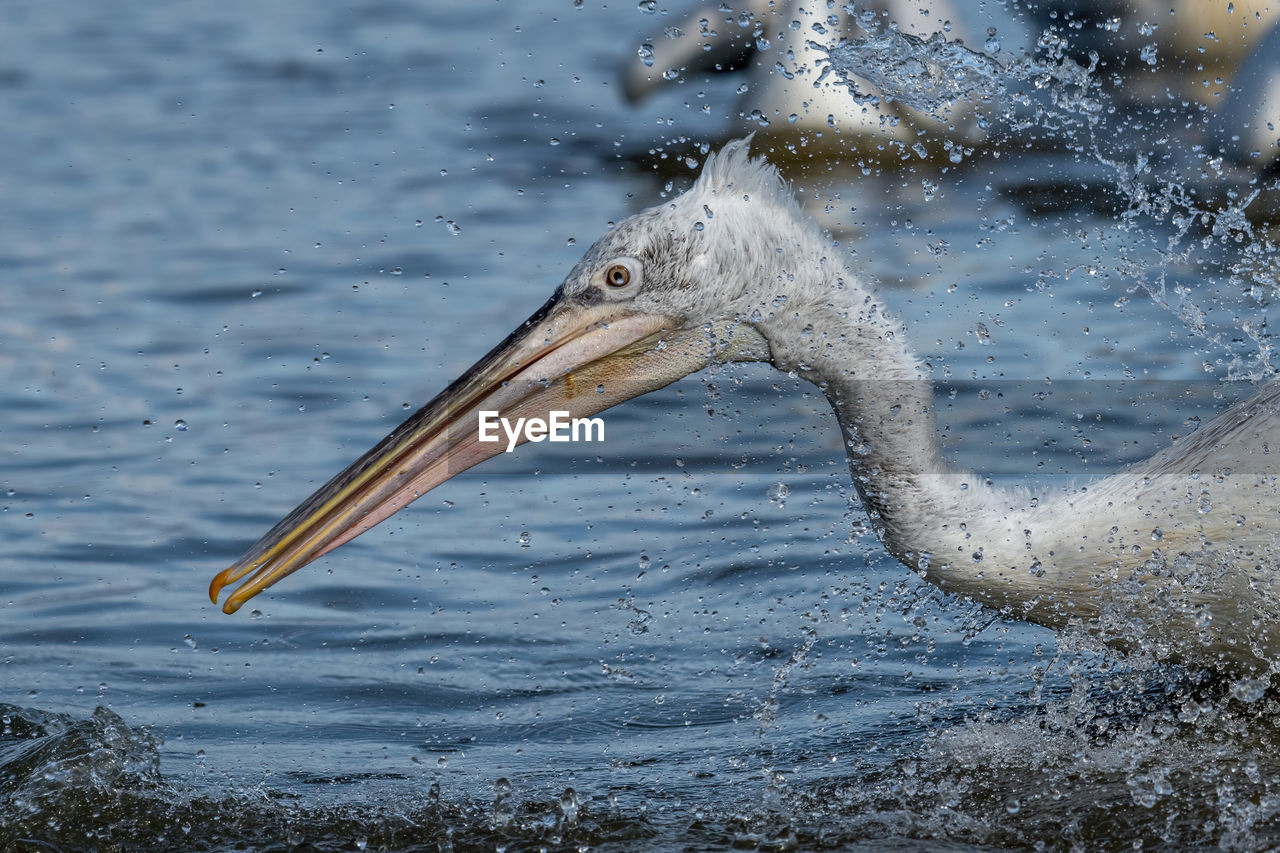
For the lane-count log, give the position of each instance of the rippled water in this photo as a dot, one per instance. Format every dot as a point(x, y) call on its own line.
point(240, 241)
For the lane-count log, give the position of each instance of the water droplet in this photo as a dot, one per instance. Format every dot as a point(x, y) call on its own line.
point(524, 539)
point(569, 806)
point(503, 808)
point(645, 52)
point(778, 493)
point(1250, 690)
point(1157, 534)
point(180, 425)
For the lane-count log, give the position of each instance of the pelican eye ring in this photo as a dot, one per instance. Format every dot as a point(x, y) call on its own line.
point(622, 273)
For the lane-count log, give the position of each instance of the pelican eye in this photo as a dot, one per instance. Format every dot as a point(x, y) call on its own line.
point(622, 273)
point(618, 276)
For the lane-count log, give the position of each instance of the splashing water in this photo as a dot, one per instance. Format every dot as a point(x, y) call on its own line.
point(1178, 199)
point(929, 74)
point(95, 784)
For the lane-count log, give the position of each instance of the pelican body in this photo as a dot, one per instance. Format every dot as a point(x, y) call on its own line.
point(1175, 555)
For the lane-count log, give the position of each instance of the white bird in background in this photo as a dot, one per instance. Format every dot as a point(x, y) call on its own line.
point(1246, 124)
point(781, 46)
point(1176, 554)
point(1187, 35)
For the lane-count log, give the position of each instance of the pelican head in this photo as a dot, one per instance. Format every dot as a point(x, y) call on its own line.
point(731, 271)
point(663, 294)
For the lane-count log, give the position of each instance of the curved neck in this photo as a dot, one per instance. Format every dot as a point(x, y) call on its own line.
point(950, 525)
point(884, 404)
point(1087, 555)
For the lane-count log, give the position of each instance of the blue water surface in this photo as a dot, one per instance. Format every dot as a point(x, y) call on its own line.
point(239, 242)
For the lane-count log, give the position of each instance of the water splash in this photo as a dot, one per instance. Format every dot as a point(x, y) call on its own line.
point(95, 784)
point(767, 714)
point(931, 74)
point(1186, 213)
point(1046, 91)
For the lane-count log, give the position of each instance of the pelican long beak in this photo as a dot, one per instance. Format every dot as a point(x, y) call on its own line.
point(566, 357)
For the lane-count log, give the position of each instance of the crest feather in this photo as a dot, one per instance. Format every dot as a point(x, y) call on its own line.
point(732, 169)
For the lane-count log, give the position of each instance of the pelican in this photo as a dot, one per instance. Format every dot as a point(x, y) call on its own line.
point(1175, 555)
point(1191, 36)
point(787, 90)
point(1246, 124)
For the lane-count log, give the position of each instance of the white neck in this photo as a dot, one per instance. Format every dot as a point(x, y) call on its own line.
point(1109, 554)
point(963, 534)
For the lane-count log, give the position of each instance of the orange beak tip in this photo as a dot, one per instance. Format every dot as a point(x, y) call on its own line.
point(218, 582)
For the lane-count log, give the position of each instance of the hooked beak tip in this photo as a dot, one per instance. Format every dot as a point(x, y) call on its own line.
point(220, 580)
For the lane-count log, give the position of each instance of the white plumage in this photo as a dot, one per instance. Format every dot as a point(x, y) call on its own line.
point(1176, 554)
